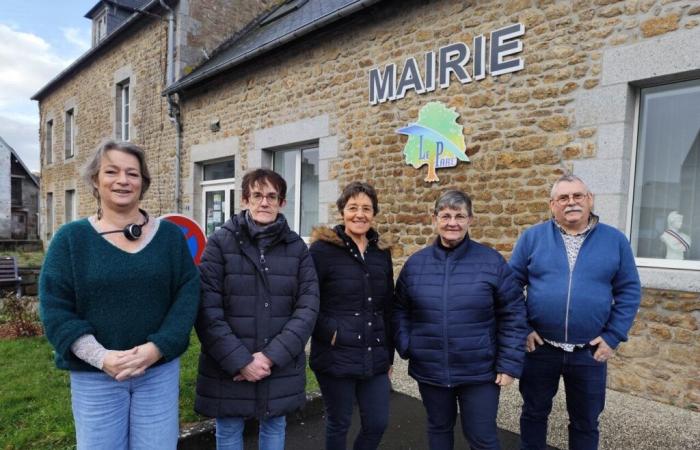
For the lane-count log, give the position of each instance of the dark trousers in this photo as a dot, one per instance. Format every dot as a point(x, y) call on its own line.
point(339, 395)
point(478, 406)
point(584, 382)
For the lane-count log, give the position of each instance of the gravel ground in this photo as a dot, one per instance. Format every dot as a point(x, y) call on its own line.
point(628, 422)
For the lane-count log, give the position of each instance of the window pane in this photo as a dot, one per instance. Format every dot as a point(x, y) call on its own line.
point(16, 191)
point(214, 211)
point(70, 206)
point(49, 142)
point(49, 215)
point(666, 204)
point(69, 125)
point(285, 165)
point(309, 191)
point(220, 170)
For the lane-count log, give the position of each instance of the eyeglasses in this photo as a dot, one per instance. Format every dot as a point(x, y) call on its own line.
point(577, 197)
point(367, 210)
point(447, 218)
point(257, 198)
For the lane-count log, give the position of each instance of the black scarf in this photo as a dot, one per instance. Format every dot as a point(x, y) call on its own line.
point(264, 235)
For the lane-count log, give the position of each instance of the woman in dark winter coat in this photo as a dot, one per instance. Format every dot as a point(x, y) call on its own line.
point(459, 318)
point(351, 350)
point(259, 305)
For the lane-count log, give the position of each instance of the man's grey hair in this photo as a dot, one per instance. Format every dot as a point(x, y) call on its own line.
point(569, 178)
point(92, 168)
point(453, 199)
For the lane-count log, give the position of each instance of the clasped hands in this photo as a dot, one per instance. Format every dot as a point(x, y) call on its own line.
point(122, 365)
point(256, 370)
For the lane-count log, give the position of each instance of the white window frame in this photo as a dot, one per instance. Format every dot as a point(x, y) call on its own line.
point(50, 215)
point(124, 110)
point(48, 142)
point(69, 213)
point(229, 188)
point(295, 224)
point(69, 125)
point(654, 263)
point(224, 184)
point(99, 27)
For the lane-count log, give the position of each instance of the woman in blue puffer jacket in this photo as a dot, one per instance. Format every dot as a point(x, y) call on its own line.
point(459, 318)
point(351, 349)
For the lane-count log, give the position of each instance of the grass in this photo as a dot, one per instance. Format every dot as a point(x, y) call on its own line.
point(27, 259)
point(35, 396)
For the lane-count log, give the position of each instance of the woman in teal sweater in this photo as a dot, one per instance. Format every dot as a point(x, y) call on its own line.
point(119, 294)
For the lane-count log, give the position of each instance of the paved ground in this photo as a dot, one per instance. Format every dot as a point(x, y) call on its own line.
point(628, 423)
point(406, 431)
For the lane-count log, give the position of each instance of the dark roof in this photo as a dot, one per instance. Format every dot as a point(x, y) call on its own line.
point(129, 5)
point(104, 43)
point(19, 160)
point(290, 21)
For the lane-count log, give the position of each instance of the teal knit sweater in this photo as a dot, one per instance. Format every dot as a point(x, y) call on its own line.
point(89, 286)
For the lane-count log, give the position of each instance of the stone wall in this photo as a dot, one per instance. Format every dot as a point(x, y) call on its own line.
point(140, 56)
point(521, 128)
point(662, 358)
point(204, 24)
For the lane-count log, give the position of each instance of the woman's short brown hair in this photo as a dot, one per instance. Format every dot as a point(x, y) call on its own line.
point(262, 176)
point(354, 189)
point(92, 168)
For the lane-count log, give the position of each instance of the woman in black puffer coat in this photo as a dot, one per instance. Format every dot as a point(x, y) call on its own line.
point(351, 349)
point(259, 305)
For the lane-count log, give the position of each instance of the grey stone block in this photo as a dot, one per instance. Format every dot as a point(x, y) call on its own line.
point(604, 176)
point(293, 132)
point(604, 105)
point(665, 55)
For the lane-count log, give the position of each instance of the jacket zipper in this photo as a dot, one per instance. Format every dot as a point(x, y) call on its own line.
point(444, 320)
point(571, 276)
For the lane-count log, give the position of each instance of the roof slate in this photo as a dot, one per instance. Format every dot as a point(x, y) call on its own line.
point(264, 35)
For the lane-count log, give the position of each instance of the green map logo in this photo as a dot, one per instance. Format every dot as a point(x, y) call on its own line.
point(436, 140)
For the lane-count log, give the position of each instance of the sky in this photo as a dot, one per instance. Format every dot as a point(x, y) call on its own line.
point(38, 39)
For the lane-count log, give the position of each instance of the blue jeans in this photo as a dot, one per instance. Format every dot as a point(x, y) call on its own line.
point(229, 433)
point(339, 395)
point(139, 413)
point(478, 406)
point(584, 383)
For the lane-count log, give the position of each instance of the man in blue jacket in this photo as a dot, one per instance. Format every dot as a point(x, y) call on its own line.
point(583, 292)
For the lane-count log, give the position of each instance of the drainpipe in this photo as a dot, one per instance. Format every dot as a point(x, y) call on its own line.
point(173, 105)
point(171, 42)
point(175, 118)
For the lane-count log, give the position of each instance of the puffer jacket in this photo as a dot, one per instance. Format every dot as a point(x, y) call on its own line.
point(459, 315)
point(250, 304)
point(356, 294)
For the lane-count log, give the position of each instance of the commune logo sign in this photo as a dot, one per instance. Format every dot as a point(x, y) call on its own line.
point(436, 140)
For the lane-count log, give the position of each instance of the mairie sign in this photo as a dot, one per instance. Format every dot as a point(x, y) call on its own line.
point(450, 61)
point(436, 140)
point(196, 240)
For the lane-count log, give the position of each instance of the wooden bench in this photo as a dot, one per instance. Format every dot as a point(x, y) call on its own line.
point(9, 274)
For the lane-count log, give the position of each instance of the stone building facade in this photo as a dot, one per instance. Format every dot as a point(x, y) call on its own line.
point(300, 103)
point(83, 104)
point(573, 107)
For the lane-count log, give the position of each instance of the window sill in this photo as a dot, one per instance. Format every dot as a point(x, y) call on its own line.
point(676, 279)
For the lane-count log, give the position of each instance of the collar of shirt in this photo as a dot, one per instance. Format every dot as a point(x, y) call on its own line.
point(592, 222)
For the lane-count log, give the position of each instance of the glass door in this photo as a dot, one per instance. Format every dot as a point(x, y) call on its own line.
point(218, 206)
